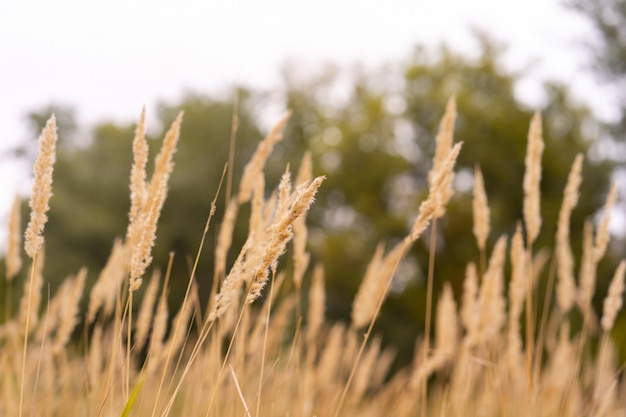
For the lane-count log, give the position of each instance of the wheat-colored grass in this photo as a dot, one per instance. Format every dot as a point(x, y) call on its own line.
point(300, 233)
point(69, 313)
point(279, 234)
point(254, 167)
point(270, 358)
point(442, 150)
point(144, 318)
point(30, 301)
point(147, 216)
point(613, 301)
point(42, 188)
point(138, 191)
point(566, 286)
point(532, 179)
point(480, 210)
point(602, 235)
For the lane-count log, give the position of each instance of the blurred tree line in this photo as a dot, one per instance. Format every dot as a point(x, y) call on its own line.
point(373, 137)
point(607, 48)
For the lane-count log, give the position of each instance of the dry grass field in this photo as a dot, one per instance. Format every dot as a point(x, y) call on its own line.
point(250, 353)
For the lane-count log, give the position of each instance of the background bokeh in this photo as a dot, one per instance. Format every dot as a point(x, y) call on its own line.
point(367, 83)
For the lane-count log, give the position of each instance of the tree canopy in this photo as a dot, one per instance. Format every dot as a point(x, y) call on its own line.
point(607, 50)
point(375, 146)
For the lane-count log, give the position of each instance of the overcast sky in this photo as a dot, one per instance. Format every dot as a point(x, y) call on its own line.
point(107, 59)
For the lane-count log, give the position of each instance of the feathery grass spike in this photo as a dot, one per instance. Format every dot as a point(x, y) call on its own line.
point(317, 367)
point(532, 179)
point(442, 150)
point(613, 301)
point(279, 234)
point(42, 188)
point(149, 215)
point(480, 210)
point(138, 178)
point(566, 284)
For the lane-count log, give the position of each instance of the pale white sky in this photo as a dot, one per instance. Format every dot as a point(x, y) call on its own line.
point(107, 59)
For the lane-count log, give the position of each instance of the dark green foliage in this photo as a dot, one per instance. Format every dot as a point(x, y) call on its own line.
point(375, 147)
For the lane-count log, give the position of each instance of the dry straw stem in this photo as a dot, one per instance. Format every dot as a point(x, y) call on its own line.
point(31, 298)
point(279, 233)
point(254, 167)
point(480, 210)
point(532, 179)
point(13, 258)
point(613, 301)
point(566, 284)
point(42, 188)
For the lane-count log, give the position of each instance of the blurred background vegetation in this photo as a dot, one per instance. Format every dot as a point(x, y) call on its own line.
point(371, 132)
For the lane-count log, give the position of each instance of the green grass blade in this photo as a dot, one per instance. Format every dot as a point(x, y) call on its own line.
point(133, 395)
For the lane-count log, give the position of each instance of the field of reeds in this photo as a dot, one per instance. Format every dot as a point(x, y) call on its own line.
point(251, 353)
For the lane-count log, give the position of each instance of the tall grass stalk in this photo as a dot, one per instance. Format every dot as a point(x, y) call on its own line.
point(34, 240)
point(280, 358)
